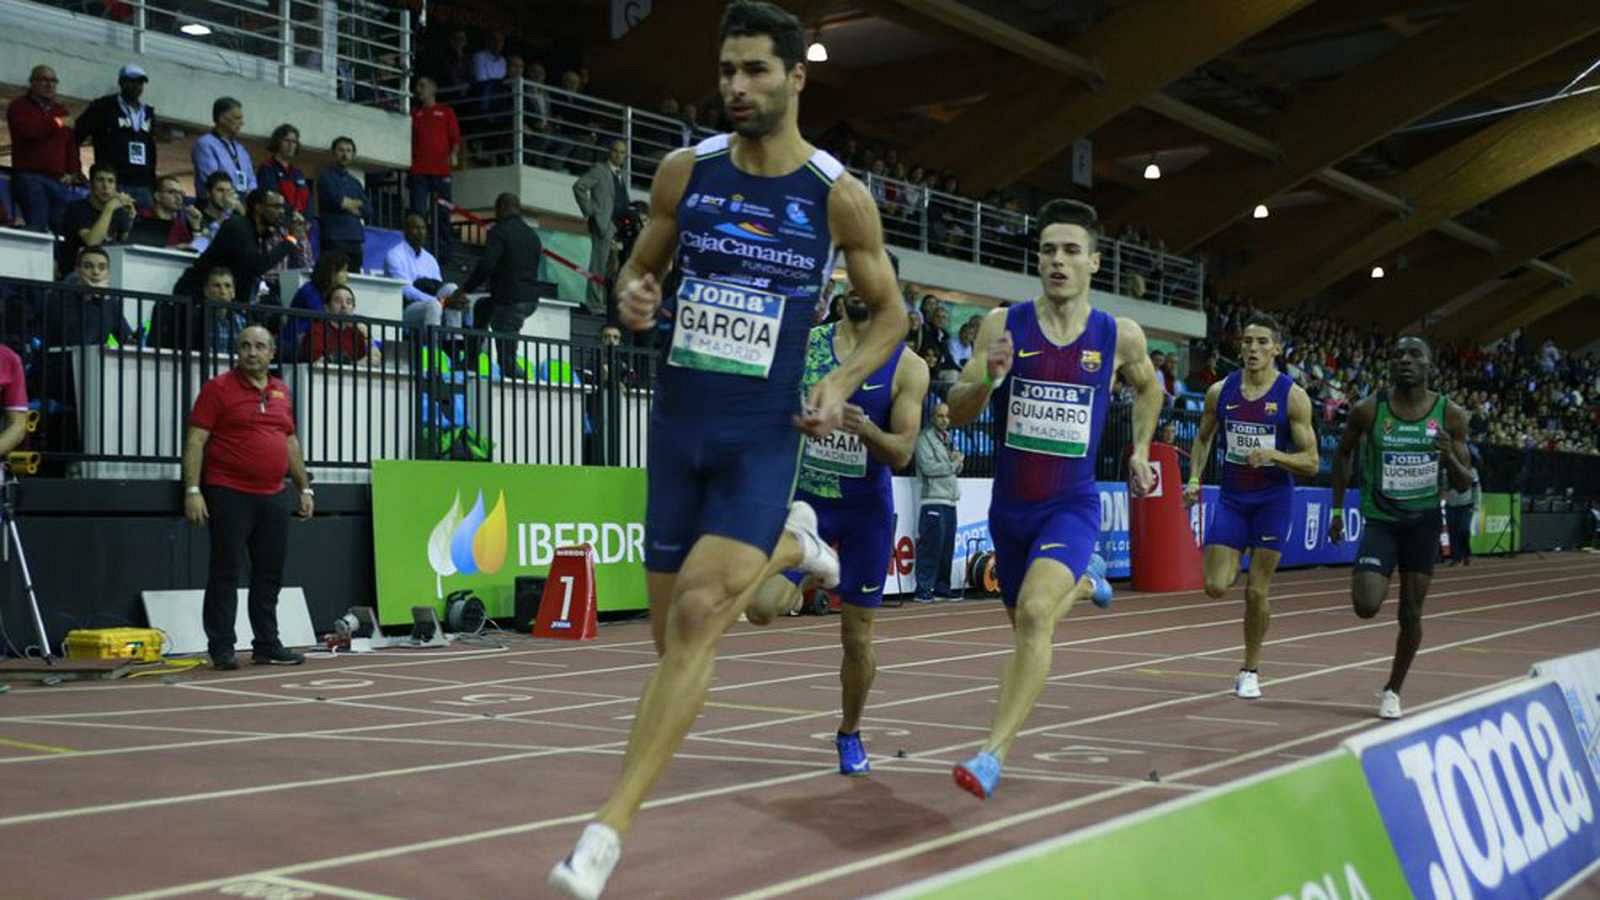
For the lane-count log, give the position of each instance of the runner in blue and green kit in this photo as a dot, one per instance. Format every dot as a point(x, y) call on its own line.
point(845, 477)
point(1404, 436)
point(1047, 367)
point(751, 221)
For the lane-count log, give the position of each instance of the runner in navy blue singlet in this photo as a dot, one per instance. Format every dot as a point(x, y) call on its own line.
point(1265, 420)
point(1047, 367)
point(751, 222)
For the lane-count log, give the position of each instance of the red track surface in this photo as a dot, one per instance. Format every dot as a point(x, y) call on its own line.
point(454, 774)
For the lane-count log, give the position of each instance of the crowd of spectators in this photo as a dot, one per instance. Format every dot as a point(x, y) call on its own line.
point(1516, 395)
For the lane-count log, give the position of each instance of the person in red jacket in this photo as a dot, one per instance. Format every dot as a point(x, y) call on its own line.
point(435, 150)
point(44, 151)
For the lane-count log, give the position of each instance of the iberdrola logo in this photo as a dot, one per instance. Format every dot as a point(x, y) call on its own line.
point(468, 545)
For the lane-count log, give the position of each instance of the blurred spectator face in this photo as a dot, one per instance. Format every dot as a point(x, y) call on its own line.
point(344, 152)
point(969, 331)
point(427, 91)
point(619, 153)
point(941, 417)
point(571, 81)
point(104, 186)
point(42, 82)
point(1169, 433)
point(341, 301)
point(669, 107)
point(610, 336)
point(219, 286)
point(94, 269)
point(169, 196)
point(458, 41)
point(416, 230)
point(221, 195)
point(941, 318)
point(514, 68)
point(230, 123)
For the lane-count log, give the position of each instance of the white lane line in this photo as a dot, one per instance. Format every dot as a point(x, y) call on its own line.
point(765, 656)
point(1261, 722)
point(915, 849)
point(816, 878)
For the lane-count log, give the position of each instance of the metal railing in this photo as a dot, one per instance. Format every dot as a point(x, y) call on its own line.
point(570, 132)
point(352, 50)
point(113, 375)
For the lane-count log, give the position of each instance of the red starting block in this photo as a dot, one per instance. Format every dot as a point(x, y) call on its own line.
point(567, 607)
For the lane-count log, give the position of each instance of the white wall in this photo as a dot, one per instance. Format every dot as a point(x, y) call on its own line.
point(86, 54)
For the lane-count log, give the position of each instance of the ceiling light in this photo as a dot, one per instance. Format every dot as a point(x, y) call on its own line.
point(816, 52)
point(195, 29)
point(1152, 172)
point(1377, 271)
point(1261, 211)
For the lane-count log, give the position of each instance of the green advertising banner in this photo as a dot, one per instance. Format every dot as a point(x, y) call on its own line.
point(1308, 830)
point(439, 527)
point(1492, 526)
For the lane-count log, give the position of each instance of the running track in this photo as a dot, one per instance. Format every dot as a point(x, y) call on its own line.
point(466, 773)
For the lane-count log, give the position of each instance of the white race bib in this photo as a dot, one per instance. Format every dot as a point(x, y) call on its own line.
point(1243, 437)
point(1049, 417)
point(1407, 476)
point(840, 453)
point(725, 328)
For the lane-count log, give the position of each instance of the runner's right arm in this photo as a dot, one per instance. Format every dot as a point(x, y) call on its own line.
point(1356, 426)
point(1200, 453)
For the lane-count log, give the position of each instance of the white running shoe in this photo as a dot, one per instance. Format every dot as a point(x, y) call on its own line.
point(1388, 704)
point(1247, 685)
point(583, 874)
point(820, 561)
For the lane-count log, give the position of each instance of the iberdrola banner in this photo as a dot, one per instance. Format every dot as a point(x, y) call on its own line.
point(439, 527)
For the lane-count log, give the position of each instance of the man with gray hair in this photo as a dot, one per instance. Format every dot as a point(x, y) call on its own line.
point(937, 467)
point(220, 149)
point(602, 196)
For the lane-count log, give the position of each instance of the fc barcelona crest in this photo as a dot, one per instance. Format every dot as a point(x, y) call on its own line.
point(1091, 360)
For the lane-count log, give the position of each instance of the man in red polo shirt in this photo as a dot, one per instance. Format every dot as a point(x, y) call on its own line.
point(435, 150)
point(242, 428)
point(44, 151)
point(14, 397)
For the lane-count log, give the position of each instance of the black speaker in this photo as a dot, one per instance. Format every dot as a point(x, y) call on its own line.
point(529, 590)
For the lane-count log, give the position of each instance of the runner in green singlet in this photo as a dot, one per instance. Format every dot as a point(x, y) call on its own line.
point(1404, 436)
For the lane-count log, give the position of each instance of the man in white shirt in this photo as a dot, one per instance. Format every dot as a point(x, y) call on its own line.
point(489, 64)
point(429, 301)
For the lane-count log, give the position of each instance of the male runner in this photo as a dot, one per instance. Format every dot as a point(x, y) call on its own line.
point(845, 477)
point(749, 219)
point(1046, 366)
point(1404, 435)
point(1266, 428)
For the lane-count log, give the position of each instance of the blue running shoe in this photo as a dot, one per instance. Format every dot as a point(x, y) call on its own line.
point(852, 756)
point(1096, 569)
point(979, 775)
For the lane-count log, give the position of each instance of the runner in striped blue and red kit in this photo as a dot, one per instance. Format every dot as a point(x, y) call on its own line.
point(1265, 420)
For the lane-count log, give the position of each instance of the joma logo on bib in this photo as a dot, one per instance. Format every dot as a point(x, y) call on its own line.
point(1048, 418)
point(725, 328)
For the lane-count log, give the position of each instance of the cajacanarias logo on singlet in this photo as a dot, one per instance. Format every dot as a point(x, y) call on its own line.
point(733, 246)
